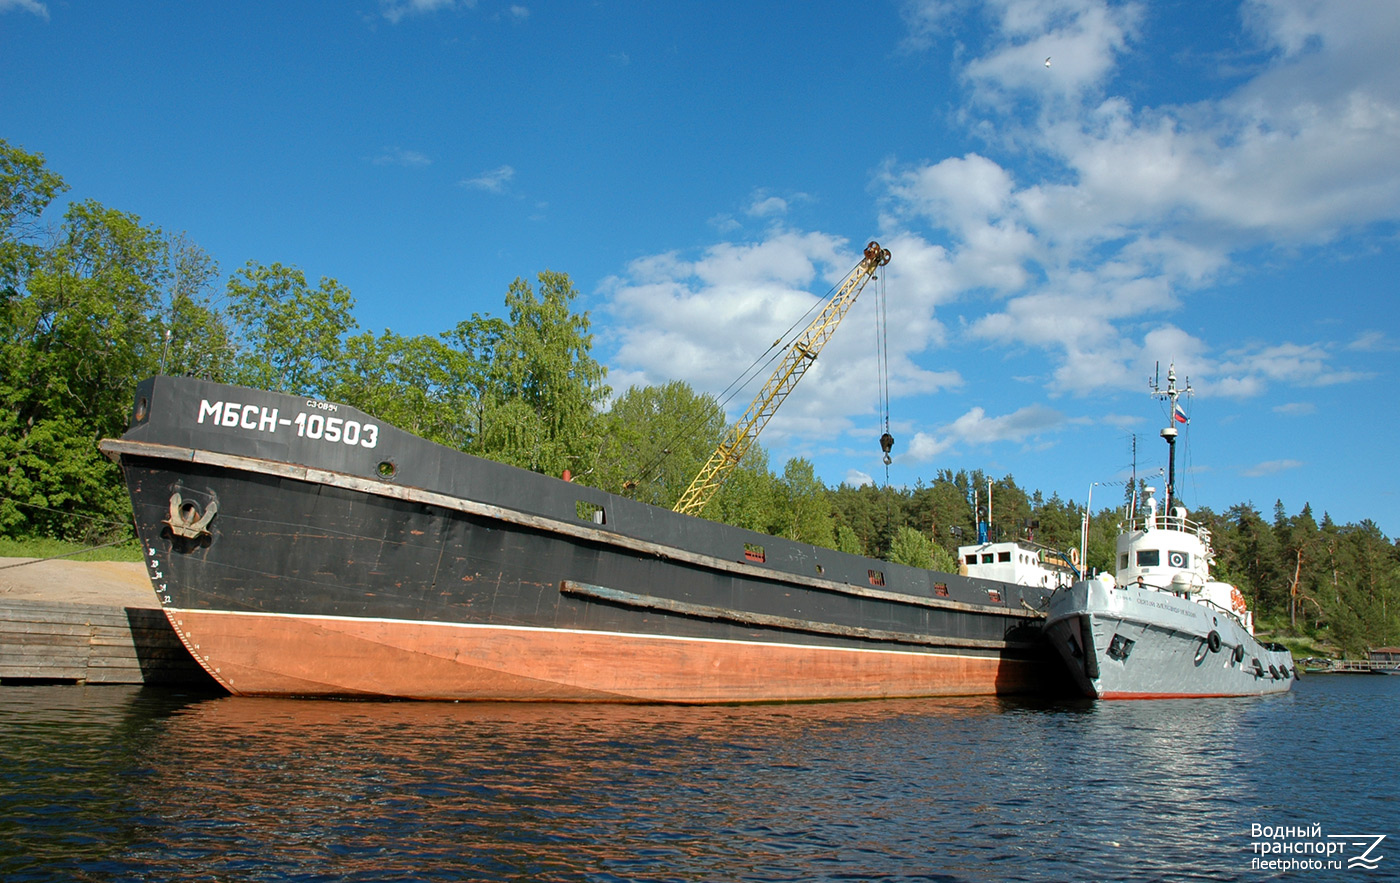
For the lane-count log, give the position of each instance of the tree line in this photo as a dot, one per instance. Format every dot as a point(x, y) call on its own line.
point(95, 301)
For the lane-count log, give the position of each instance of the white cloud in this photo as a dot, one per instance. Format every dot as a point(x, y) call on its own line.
point(856, 478)
point(1270, 467)
point(1372, 342)
point(925, 447)
point(976, 428)
point(494, 181)
point(1082, 37)
point(31, 6)
point(1076, 235)
point(397, 10)
point(1135, 207)
point(708, 318)
point(767, 206)
point(398, 156)
point(1296, 364)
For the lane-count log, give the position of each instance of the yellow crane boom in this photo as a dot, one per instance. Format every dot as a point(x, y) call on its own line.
point(799, 357)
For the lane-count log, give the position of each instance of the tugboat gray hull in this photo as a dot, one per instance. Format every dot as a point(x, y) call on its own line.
point(1126, 642)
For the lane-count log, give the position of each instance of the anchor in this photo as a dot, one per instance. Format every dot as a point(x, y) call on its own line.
point(186, 520)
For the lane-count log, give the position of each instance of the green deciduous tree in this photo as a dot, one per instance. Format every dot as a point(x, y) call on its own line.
point(542, 409)
point(804, 506)
point(27, 187)
point(475, 343)
point(748, 497)
point(847, 541)
point(914, 548)
point(911, 547)
point(655, 439)
point(420, 384)
point(288, 333)
point(83, 323)
point(197, 340)
point(87, 309)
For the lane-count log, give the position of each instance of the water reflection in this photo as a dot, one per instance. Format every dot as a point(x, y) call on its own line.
point(539, 791)
point(107, 783)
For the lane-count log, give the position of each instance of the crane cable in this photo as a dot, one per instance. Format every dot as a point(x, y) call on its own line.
point(882, 367)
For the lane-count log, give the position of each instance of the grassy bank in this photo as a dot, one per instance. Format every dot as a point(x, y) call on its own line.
point(46, 548)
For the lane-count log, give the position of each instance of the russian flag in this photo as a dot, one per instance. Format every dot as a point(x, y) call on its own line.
point(1178, 414)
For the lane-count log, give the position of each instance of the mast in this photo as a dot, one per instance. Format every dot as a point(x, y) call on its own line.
point(1177, 415)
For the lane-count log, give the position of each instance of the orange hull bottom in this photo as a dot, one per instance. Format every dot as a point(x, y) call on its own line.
point(271, 655)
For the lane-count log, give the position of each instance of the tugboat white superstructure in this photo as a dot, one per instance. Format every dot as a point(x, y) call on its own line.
point(1160, 627)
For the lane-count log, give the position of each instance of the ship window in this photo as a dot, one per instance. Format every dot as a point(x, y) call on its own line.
point(1179, 559)
point(877, 578)
point(1149, 558)
point(972, 559)
point(940, 589)
point(1004, 556)
point(589, 511)
point(754, 552)
point(987, 558)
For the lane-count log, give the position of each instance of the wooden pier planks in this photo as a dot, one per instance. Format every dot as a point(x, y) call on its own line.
point(48, 641)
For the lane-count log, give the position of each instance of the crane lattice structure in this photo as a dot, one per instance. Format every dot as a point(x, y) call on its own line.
point(799, 357)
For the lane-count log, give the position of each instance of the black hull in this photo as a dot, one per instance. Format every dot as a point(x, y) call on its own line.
point(310, 536)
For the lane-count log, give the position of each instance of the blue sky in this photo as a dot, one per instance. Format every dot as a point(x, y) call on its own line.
point(1211, 183)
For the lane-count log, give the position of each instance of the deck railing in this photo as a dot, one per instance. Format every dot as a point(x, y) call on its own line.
point(1164, 521)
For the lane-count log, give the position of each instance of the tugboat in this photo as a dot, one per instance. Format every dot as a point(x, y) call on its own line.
point(1159, 627)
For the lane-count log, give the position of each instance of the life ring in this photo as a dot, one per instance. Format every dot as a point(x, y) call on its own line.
point(1213, 641)
point(1074, 557)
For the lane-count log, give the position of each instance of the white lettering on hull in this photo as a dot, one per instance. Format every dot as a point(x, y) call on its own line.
point(310, 424)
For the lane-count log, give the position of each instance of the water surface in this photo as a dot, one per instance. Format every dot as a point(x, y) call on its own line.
point(113, 783)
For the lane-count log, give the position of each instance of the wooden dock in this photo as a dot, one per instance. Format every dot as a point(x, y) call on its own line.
point(1357, 667)
point(93, 623)
point(46, 642)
